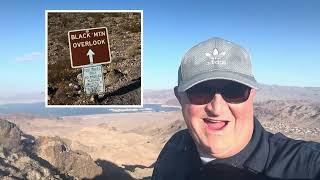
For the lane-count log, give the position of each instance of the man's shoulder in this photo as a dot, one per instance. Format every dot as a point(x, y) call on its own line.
point(177, 158)
point(179, 139)
point(177, 143)
point(283, 142)
point(294, 156)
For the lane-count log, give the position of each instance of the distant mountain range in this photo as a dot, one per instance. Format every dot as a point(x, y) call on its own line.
point(22, 98)
point(264, 93)
point(33, 103)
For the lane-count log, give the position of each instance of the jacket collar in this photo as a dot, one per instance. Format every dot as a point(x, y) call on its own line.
point(257, 160)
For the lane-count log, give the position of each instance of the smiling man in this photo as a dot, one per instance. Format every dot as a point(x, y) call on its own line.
point(216, 89)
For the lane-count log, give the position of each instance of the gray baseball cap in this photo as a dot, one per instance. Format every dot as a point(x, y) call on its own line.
point(215, 58)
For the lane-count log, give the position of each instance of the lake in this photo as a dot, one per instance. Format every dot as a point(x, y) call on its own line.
point(41, 110)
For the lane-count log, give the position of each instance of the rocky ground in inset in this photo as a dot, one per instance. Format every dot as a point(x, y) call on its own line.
point(122, 77)
point(119, 146)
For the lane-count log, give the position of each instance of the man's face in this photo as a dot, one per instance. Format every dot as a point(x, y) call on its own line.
point(221, 123)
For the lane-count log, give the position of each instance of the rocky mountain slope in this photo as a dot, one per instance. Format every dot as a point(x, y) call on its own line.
point(125, 146)
point(23, 156)
point(17, 161)
point(297, 119)
point(122, 77)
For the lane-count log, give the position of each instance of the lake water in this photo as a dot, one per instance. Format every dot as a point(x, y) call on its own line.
point(40, 109)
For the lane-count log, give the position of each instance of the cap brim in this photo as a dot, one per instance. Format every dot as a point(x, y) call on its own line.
point(226, 75)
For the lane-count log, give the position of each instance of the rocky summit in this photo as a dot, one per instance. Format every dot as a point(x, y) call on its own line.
point(74, 163)
point(16, 159)
point(46, 158)
point(10, 136)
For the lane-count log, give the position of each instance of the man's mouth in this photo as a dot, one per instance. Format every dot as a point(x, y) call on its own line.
point(215, 125)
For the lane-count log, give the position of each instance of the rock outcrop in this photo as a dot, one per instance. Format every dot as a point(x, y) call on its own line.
point(10, 136)
point(46, 158)
point(16, 162)
point(73, 163)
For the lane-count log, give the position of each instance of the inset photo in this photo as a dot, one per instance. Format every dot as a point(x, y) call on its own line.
point(94, 58)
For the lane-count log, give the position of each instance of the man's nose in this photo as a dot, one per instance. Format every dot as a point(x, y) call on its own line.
point(217, 105)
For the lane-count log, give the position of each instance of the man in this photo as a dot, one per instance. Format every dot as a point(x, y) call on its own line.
point(216, 89)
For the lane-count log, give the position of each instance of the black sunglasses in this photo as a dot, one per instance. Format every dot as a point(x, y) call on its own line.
point(232, 93)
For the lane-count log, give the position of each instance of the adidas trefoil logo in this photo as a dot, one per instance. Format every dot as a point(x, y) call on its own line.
point(215, 57)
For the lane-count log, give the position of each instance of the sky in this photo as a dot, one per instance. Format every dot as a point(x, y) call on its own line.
point(283, 38)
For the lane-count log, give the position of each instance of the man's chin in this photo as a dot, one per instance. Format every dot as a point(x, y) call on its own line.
point(217, 151)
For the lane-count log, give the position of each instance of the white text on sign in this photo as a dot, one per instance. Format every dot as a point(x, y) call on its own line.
point(88, 35)
point(88, 43)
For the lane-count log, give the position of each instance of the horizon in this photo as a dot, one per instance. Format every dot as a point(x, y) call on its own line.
point(36, 97)
point(283, 44)
point(145, 89)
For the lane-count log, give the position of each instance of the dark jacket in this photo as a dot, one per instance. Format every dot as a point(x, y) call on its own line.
point(266, 156)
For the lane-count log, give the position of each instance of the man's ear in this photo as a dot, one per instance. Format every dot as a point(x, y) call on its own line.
point(253, 93)
point(176, 93)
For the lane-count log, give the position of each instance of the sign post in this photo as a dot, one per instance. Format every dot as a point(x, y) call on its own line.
point(89, 48)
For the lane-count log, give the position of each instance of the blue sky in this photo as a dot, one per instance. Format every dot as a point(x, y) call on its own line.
point(283, 38)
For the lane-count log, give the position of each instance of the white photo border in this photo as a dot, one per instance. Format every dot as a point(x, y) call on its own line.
point(46, 60)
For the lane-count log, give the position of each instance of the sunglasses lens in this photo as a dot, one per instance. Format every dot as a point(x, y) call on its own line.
point(232, 93)
point(199, 95)
point(235, 93)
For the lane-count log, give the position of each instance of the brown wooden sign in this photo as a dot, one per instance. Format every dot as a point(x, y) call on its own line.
point(89, 46)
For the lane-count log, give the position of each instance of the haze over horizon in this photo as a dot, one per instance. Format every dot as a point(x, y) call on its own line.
point(166, 96)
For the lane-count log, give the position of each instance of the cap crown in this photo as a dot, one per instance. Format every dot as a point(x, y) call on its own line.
point(215, 55)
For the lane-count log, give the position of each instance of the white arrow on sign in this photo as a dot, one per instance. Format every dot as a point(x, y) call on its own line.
point(90, 54)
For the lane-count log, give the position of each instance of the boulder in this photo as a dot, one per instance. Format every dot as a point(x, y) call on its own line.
point(73, 163)
point(10, 136)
